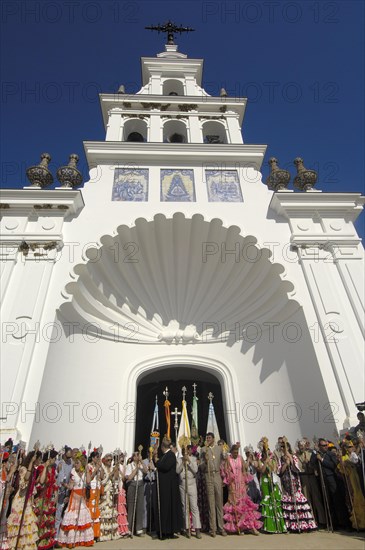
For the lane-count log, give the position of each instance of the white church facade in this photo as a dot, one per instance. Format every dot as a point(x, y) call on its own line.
point(176, 262)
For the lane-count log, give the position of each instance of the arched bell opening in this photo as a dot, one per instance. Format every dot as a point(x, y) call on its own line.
point(135, 130)
point(175, 131)
point(214, 132)
point(173, 87)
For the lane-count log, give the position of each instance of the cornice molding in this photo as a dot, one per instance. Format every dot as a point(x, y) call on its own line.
point(112, 152)
point(340, 205)
point(50, 201)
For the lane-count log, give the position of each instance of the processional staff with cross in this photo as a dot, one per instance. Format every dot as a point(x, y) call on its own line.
point(176, 413)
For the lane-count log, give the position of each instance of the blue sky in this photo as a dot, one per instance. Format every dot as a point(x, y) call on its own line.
point(300, 63)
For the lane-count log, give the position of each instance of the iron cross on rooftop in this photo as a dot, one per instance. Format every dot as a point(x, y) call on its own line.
point(171, 29)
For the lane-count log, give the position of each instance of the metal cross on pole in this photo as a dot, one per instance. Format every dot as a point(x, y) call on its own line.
point(210, 397)
point(170, 29)
point(176, 413)
point(194, 389)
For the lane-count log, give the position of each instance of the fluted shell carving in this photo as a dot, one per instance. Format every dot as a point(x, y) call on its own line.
point(176, 281)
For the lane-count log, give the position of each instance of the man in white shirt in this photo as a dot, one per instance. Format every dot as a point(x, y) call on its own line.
point(187, 468)
point(134, 473)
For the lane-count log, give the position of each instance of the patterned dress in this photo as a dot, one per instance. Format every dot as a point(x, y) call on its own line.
point(123, 528)
point(45, 509)
point(29, 530)
point(93, 501)
point(76, 527)
point(240, 513)
point(271, 511)
point(202, 500)
point(108, 512)
point(296, 509)
point(356, 503)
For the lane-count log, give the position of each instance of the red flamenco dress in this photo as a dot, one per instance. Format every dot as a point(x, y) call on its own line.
point(45, 508)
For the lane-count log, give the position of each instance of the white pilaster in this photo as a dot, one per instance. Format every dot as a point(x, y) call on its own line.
point(113, 127)
point(326, 241)
point(234, 129)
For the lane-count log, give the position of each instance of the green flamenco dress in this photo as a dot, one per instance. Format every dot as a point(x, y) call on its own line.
point(271, 511)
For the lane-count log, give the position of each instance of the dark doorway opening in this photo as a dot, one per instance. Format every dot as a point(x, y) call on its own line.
point(175, 377)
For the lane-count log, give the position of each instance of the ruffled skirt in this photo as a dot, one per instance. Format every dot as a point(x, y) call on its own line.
point(244, 516)
point(29, 531)
point(297, 513)
point(77, 526)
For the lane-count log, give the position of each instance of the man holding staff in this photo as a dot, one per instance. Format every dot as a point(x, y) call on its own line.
point(187, 468)
point(211, 459)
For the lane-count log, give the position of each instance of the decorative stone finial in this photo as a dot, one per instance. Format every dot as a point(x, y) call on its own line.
point(223, 93)
point(40, 176)
point(121, 89)
point(278, 179)
point(69, 176)
point(305, 179)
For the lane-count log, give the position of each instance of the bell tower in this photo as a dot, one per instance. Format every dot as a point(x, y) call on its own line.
point(172, 120)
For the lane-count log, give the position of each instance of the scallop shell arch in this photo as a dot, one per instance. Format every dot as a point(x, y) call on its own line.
point(177, 280)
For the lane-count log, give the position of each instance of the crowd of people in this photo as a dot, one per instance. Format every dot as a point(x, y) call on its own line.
point(76, 497)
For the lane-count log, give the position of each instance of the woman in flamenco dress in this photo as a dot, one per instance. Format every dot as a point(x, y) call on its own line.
point(108, 508)
point(297, 512)
point(271, 510)
point(45, 501)
point(77, 527)
point(240, 513)
point(22, 522)
point(123, 528)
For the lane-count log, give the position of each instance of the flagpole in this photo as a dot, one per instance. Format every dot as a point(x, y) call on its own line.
point(167, 412)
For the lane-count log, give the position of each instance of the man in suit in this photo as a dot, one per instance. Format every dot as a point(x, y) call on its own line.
point(327, 460)
point(211, 457)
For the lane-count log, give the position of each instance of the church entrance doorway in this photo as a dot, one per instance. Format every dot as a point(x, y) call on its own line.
point(174, 378)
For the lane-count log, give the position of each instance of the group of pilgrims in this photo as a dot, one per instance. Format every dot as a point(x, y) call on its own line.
point(76, 496)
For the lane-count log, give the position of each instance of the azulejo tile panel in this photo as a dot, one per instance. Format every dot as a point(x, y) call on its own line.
point(177, 185)
point(130, 184)
point(223, 186)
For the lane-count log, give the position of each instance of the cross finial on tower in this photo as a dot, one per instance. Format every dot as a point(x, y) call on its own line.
point(171, 29)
